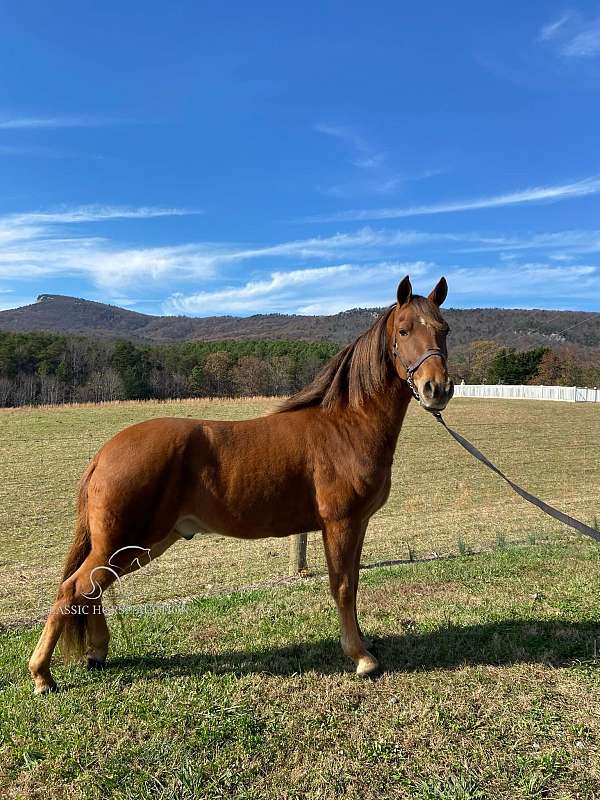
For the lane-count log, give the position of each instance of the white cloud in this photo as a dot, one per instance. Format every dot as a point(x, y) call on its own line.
point(576, 241)
point(253, 294)
point(44, 243)
point(582, 188)
point(562, 257)
point(329, 290)
point(301, 275)
point(94, 213)
point(365, 156)
point(36, 152)
point(585, 45)
point(63, 121)
point(551, 29)
point(573, 36)
point(527, 285)
point(37, 244)
point(301, 291)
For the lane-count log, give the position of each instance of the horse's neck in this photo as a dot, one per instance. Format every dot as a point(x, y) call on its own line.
point(376, 426)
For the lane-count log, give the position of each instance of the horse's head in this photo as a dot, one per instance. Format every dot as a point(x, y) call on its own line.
point(417, 338)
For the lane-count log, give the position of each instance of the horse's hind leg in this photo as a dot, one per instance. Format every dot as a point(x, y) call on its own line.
point(75, 608)
point(97, 628)
point(98, 637)
point(39, 663)
point(69, 611)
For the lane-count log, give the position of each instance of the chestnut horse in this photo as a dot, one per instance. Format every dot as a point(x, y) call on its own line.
point(322, 460)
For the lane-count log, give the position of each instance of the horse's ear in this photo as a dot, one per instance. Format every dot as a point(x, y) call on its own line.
point(439, 294)
point(404, 292)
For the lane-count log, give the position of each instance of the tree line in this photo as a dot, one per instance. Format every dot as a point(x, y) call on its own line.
point(486, 361)
point(46, 368)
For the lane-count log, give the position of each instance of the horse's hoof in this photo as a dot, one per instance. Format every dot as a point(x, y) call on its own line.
point(94, 664)
point(367, 667)
point(45, 688)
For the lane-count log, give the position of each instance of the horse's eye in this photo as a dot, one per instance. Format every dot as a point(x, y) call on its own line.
point(403, 332)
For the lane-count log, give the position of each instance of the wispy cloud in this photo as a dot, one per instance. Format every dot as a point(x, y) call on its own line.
point(329, 290)
point(315, 274)
point(364, 155)
point(373, 174)
point(57, 243)
point(572, 35)
point(556, 243)
point(536, 194)
point(36, 152)
point(551, 29)
point(63, 121)
point(524, 285)
point(302, 291)
point(94, 213)
point(42, 243)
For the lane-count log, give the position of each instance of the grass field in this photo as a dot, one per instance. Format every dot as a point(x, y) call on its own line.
point(490, 689)
point(442, 500)
point(491, 674)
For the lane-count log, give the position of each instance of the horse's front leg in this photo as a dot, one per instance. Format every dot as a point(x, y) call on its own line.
point(366, 639)
point(343, 543)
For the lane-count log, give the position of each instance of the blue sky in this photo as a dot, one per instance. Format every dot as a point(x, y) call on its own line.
point(241, 158)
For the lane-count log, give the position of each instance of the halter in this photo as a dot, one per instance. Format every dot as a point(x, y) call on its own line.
point(412, 368)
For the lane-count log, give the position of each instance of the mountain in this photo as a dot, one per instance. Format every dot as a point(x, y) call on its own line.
point(513, 327)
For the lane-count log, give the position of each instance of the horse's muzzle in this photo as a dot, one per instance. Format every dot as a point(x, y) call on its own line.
point(435, 396)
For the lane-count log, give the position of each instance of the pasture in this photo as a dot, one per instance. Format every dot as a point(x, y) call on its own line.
point(491, 677)
point(442, 501)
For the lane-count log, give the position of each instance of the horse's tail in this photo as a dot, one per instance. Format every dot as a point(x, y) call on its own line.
point(74, 630)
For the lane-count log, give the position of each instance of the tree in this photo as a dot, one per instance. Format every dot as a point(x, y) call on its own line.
point(6, 392)
point(197, 380)
point(513, 367)
point(103, 386)
point(217, 368)
point(133, 366)
point(249, 376)
point(550, 370)
point(280, 373)
point(479, 358)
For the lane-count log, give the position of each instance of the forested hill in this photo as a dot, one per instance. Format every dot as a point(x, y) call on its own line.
point(512, 327)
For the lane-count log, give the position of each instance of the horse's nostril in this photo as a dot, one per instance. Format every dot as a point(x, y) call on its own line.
point(429, 389)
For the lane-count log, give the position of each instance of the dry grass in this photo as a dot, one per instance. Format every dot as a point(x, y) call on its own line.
point(441, 501)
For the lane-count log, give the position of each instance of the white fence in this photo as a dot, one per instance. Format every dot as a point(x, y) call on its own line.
point(572, 394)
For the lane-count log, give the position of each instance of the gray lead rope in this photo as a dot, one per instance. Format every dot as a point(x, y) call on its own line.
point(531, 498)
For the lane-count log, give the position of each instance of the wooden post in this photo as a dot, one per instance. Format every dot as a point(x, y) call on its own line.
point(297, 561)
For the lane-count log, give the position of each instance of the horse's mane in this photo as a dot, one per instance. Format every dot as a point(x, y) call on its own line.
point(354, 374)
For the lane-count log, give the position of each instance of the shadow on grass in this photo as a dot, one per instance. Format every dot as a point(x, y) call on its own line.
point(499, 643)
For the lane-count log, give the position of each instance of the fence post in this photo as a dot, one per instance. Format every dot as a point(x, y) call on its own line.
point(297, 562)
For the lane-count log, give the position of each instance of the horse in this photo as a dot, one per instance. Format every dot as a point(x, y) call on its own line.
point(321, 461)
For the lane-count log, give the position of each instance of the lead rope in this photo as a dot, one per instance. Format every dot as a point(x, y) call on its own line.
point(531, 498)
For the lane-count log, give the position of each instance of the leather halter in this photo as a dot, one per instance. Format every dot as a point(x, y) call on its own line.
point(412, 368)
